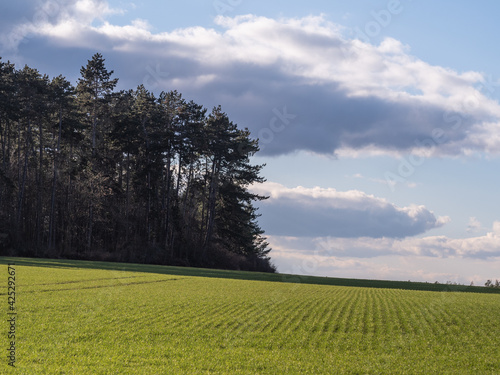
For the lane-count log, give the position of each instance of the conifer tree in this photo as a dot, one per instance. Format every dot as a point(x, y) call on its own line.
point(91, 173)
point(94, 91)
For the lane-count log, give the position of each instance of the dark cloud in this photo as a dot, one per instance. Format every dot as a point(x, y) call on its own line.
point(14, 12)
point(287, 218)
point(485, 247)
point(302, 212)
point(302, 87)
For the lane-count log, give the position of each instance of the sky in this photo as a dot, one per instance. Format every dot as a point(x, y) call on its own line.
point(379, 121)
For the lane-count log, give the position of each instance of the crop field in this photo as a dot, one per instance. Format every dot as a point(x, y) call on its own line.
point(73, 319)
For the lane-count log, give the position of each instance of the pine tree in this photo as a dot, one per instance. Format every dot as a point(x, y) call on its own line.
point(89, 172)
point(62, 100)
point(32, 96)
point(94, 91)
point(8, 115)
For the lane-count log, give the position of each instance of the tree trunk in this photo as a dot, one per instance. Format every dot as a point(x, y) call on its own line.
point(90, 223)
point(166, 204)
point(69, 222)
point(54, 183)
point(127, 203)
point(39, 208)
point(4, 159)
point(20, 201)
point(211, 208)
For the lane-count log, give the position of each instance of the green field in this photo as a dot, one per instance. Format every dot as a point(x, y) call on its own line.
point(104, 318)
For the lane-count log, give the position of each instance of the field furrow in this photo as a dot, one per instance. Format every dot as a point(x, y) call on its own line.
point(106, 322)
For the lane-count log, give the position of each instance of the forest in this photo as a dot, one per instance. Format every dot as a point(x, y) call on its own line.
point(89, 172)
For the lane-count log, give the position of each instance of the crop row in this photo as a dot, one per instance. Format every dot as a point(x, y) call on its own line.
point(111, 322)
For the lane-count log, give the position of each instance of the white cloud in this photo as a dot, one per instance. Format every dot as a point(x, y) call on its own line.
point(385, 267)
point(474, 225)
point(349, 96)
point(313, 212)
point(480, 247)
point(58, 19)
point(418, 259)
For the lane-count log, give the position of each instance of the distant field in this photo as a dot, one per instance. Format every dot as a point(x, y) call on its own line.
point(104, 318)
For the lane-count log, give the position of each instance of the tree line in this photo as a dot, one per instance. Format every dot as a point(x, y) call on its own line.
point(89, 172)
point(491, 284)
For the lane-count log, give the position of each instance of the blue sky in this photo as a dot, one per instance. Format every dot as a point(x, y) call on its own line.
point(378, 120)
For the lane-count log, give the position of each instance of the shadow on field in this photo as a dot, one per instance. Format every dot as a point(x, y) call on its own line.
point(243, 275)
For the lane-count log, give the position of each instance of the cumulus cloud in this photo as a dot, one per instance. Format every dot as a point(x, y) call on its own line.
point(485, 247)
point(292, 256)
point(474, 225)
point(314, 212)
point(346, 96)
point(64, 20)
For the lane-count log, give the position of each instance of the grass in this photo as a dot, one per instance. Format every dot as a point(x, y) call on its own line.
point(104, 318)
